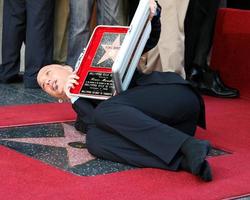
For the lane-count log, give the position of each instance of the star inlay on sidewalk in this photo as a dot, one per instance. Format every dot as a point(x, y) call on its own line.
point(62, 146)
point(76, 155)
point(59, 145)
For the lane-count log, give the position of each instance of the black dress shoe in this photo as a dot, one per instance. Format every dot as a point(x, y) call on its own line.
point(212, 85)
point(209, 83)
point(225, 87)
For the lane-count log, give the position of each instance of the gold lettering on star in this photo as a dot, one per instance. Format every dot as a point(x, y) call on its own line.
point(111, 50)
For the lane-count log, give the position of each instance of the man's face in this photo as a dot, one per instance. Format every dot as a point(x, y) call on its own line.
point(52, 79)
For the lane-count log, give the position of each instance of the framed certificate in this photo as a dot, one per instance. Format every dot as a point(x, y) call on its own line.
point(94, 66)
point(108, 63)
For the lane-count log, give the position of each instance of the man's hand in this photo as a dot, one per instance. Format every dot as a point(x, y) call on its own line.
point(70, 83)
point(153, 8)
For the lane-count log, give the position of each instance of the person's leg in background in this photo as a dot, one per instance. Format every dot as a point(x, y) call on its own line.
point(13, 35)
point(108, 12)
point(61, 30)
point(39, 39)
point(223, 3)
point(200, 36)
point(81, 11)
point(199, 28)
point(123, 14)
point(79, 28)
point(169, 53)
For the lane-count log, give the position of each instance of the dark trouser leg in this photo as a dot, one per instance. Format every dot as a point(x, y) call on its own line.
point(84, 107)
point(199, 28)
point(205, 40)
point(13, 36)
point(149, 131)
point(109, 146)
point(39, 39)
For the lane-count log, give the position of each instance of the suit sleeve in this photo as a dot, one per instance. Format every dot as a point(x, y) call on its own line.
point(84, 108)
point(156, 30)
point(156, 24)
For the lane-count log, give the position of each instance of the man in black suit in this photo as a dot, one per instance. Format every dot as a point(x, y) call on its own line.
point(199, 28)
point(152, 124)
point(138, 127)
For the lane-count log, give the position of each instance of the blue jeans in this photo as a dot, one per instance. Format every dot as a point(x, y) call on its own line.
point(79, 26)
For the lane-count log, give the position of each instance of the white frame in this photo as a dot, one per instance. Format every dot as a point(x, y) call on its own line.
point(132, 47)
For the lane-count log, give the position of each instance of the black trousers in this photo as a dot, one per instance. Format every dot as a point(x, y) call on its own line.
point(28, 21)
point(199, 28)
point(145, 126)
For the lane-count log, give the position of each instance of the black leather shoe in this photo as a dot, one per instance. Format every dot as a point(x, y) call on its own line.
point(220, 82)
point(209, 83)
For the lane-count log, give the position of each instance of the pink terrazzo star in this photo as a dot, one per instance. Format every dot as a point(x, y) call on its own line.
point(111, 50)
point(75, 156)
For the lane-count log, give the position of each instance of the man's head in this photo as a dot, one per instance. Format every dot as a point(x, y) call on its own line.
point(52, 79)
